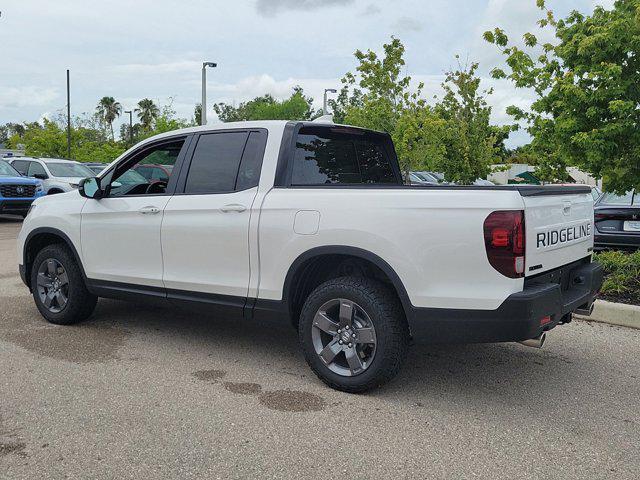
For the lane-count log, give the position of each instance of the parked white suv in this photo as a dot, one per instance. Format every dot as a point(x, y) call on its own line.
point(310, 223)
point(57, 175)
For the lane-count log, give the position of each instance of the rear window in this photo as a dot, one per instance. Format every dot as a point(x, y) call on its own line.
point(613, 199)
point(329, 156)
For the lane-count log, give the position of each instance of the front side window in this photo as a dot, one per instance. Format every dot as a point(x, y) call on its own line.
point(326, 156)
point(60, 169)
point(36, 169)
point(215, 162)
point(135, 176)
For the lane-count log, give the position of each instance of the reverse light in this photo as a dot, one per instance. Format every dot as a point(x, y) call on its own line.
point(505, 242)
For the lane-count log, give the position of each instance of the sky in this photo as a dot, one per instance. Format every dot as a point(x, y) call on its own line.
point(155, 48)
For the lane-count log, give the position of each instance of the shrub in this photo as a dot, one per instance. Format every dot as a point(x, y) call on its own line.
point(622, 275)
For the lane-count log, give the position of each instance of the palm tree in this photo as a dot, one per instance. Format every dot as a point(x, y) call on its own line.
point(109, 110)
point(147, 112)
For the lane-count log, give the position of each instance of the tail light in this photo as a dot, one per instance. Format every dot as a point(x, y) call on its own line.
point(505, 242)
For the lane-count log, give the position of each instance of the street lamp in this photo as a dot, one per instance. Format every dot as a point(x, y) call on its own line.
point(203, 113)
point(324, 105)
point(130, 112)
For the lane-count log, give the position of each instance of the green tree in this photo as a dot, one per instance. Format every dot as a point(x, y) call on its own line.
point(296, 107)
point(147, 112)
point(197, 114)
point(586, 84)
point(377, 96)
point(471, 143)
point(109, 110)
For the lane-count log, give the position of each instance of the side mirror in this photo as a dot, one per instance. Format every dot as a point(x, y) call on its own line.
point(40, 176)
point(90, 188)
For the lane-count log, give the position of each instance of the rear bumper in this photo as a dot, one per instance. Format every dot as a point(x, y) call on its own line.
point(619, 240)
point(519, 317)
point(10, 206)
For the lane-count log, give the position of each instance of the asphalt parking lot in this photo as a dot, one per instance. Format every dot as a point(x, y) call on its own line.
point(142, 392)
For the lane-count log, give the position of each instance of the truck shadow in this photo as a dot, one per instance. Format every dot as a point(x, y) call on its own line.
point(482, 375)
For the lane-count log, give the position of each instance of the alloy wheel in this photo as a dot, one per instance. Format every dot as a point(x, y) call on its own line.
point(52, 284)
point(344, 337)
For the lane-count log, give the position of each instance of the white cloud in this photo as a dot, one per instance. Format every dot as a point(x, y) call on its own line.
point(156, 68)
point(371, 9)
point(26, 96)
point(407, 24)
point(253, 86)
point(606, 4)
point(270, 8)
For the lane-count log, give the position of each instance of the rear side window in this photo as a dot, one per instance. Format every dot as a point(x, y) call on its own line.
point(325, 156)
point(251, 165)
point(215, 162)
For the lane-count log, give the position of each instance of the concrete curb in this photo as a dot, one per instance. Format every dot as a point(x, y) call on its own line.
point(614, 314)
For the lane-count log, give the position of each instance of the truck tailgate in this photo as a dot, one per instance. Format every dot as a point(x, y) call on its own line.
point(559, 230)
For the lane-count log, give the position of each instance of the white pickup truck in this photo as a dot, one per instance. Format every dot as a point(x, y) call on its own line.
point(311, 223)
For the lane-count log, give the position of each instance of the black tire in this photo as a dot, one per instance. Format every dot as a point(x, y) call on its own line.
point(383, 307)
point(54, 191)
point(80, 303)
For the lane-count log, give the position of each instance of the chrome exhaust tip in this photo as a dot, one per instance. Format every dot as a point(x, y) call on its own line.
point(536, 342)
point(585, 311)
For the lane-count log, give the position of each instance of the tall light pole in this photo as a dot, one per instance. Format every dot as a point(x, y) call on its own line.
point(324, 104)
point(203, 113)
point(130, 112)
point(68, 117)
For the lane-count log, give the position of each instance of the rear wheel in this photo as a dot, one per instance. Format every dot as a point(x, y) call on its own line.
point(58, 287)
point(353, 333)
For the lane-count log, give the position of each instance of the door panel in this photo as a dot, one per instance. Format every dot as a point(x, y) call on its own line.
point(121, 239)
point(205, 242)
point(120, 233)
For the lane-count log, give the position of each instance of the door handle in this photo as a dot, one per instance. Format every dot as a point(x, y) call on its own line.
point(147, 210)
point(233, 207)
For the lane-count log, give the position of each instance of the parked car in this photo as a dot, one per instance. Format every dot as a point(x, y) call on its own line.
point(427, 177)
point(481, 182)
point(57, 175)
point(17, 192)
point(155, 173)
point(416, 178)
point(96, 167)
point(310, 223)
point(596, 193)
point(617, 221)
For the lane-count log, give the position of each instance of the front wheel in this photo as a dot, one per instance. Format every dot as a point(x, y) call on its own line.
point(58, 287)
point(353, 333)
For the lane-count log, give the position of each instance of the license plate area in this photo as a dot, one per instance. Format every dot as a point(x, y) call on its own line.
point(631, 226)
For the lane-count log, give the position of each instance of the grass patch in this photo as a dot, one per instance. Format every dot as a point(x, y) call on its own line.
point(622, 276)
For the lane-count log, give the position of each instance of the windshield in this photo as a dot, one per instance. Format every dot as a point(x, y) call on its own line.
point(59, 169)
point(613, 199)
point(97, 168)
point(7, 170)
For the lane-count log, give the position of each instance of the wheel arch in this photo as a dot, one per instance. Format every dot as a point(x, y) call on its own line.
point(293, 288)
point(40, 238)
